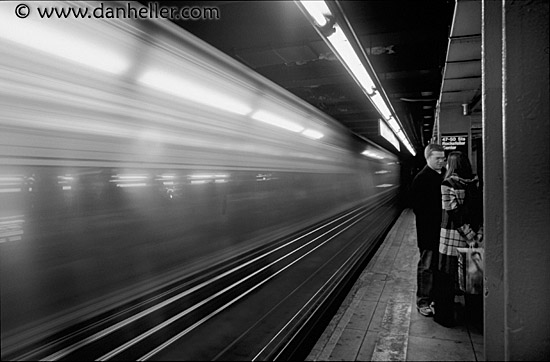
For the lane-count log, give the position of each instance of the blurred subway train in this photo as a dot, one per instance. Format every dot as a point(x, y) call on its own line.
point(160, 200)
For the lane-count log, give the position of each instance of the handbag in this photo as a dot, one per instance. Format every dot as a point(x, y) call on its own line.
point(470, 269)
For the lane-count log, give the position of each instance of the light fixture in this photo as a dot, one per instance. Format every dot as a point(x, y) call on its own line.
point(318, 12)
point(388, 134)
point(401, 136)
point(465, 109)
point(393, 125)
point(348, 56)
point(409, 147)
point(379, 103)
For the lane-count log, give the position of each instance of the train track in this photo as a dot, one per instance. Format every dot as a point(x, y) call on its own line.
point(256, 306)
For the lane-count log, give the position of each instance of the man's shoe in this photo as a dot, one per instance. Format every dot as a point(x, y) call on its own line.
point(426, 311)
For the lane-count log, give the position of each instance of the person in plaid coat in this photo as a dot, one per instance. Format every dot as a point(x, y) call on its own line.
point(461, 225)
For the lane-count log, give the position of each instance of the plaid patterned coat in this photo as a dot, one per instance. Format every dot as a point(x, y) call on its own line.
point(455, 222)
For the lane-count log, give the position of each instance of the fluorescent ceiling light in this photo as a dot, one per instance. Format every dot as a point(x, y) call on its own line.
point(405, 141)
point(193, 91)
point(388, 134)
point(393, 124)
point(401, 136)
point(312, 134)
point(317, 10)
point(349, 57)
point(411, 150)
point(275, 120)
point(343, 48)
point(61, 41)
point(378, 101)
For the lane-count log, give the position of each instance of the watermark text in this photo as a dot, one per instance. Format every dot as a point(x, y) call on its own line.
point(151, 10)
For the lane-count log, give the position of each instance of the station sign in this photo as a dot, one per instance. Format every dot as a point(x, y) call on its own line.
point(455, 142)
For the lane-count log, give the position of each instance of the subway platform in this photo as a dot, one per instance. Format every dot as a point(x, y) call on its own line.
point(378, 320)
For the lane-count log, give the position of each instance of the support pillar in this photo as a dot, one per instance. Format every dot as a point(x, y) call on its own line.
point(491, 70)
point(517, 328)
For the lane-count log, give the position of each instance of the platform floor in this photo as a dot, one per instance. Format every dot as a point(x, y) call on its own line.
point(378, 320)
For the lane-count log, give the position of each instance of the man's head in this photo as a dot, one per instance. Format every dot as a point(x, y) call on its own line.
point(435, 156)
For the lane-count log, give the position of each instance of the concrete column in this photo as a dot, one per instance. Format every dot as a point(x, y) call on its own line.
point(526, 179)
point(491, 81)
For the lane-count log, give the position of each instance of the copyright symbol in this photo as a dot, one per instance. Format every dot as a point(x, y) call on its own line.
point(22, 11)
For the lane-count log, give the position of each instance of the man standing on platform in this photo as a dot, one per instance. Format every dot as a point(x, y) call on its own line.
point(426, 202)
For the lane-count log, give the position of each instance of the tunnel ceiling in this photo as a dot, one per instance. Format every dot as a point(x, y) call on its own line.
point(406, 42)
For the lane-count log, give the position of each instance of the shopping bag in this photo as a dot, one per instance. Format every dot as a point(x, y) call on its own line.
point(470, 270)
